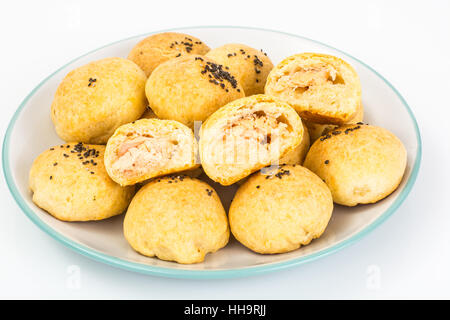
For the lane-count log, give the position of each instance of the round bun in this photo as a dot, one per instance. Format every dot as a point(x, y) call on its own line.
point(176, 218)
point(94, 100)
point(359, 163)
point(322, 88)
point(149, 148)
point(316, 130)
point(250, 66)
point(190, 88)
point(247, 135)
point(161, 47)
point(281, 211)
point(70, 182)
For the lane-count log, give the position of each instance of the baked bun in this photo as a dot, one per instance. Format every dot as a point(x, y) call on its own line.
point(94, 100)
point(70, 182)
point(359, 163)
point(190, 88)
point(297, 156)
point(250, 66)
point(247, 135)
point(281, 211)
point(321, 88)
point(159, 48)
point(176, 218)
point(316, 130)
point(149, 148)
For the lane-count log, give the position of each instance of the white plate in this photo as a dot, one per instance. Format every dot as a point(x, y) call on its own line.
point(31, 132)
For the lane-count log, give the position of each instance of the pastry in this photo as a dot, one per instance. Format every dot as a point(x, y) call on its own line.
point(70, 182)
point(250, 66)
point(190, 88)
point(149, 148)
point(280, 211)
point(247, 135)
point(321, 88)
point(161, 47)
point(297, 155)
point(318, 129)
point(176, 218)
point(94, 100)
point(359, 163)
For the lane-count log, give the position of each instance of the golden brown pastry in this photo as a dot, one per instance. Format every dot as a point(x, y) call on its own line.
point(297, 156)
point(176, 218)
point(247, 135)
point(359, 163)
point(94, 100)
point(161, 47)
point(190, 88)
point(281, 211)
point(250, 66)
point(70, 182)
point(149, 148)
point(317, 129)
point(321, 88)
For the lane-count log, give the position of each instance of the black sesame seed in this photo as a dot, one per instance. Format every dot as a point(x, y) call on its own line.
point(55, 164)
point(327, 161)
point(51, 177)
point(257, 187)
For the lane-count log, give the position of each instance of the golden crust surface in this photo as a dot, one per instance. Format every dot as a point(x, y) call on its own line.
point(359, 163)
point(159, 48)
point(225, 159)
point(250, 66)
point(321, 88)
point(158, 162)
point(74, 189)
point(176, 219)
point(318, 129)
point(94, 100)
point(186, 90)
point(280, 213)
point(297, 156)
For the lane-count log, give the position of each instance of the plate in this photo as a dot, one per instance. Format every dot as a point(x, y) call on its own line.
point(31, 131)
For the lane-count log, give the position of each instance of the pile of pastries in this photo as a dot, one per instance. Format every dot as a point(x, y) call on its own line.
point(140, 132)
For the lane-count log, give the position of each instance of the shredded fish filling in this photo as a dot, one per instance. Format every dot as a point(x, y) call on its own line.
point(304, 77)
point(254, 137)
point(140, 154)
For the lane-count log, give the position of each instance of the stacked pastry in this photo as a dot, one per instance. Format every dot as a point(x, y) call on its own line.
point(174, 109)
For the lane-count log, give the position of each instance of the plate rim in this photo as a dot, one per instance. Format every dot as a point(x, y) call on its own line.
point(203, 274)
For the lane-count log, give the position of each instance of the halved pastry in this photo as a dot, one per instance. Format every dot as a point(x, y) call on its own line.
point(149, 148)
point(321, 88)
point(247, 135)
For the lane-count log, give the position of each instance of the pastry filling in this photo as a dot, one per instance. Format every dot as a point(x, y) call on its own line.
point(301, 78)
point(141, 154)
point(255, 137)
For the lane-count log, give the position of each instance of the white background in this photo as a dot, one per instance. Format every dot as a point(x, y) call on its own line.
point(408, 42)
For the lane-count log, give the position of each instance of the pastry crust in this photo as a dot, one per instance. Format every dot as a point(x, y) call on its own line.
point(297, 156)
point(149, 148)
point(176, 218)
point(317, 129)
point(250, 66)
point(159, 48)
point(359, 163)
point(321, 88)
point(247, 135)
point(190, 88)
point(281, 211)
point(94, 100)
point(70, 182)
